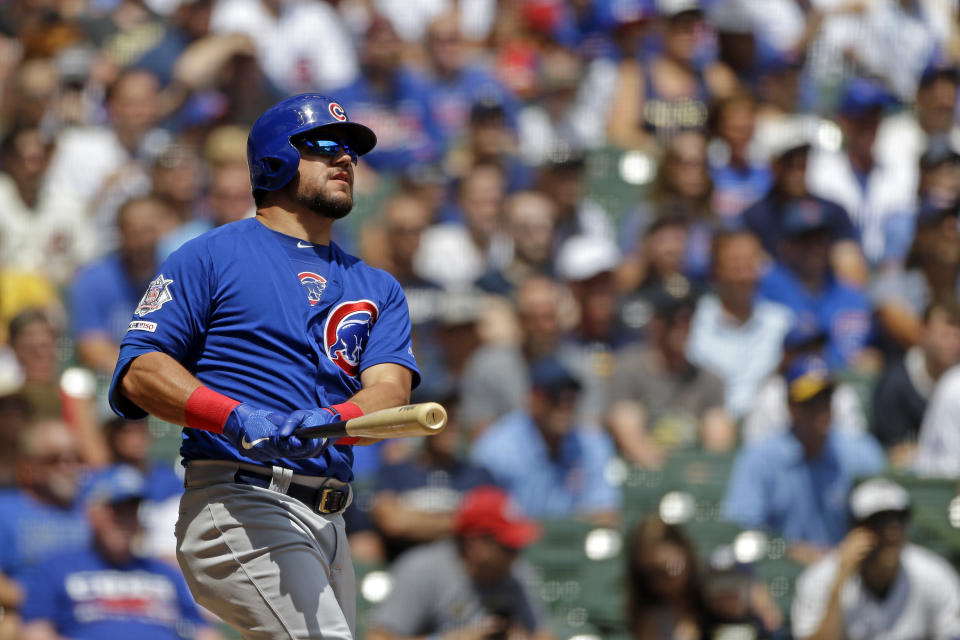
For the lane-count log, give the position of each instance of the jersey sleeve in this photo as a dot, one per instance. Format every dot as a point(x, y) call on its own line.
point(171, 317)
point(390, 336)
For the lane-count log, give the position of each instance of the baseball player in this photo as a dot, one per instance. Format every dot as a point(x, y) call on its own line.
point(247, 333)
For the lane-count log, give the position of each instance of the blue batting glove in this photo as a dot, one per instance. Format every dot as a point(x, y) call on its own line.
point(307, 447)
point(256, 433)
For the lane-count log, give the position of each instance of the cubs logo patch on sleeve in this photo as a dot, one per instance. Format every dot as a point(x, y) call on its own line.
point(158, 294)
point(346, 331)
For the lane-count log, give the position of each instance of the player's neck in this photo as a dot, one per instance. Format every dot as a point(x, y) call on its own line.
point(306, 226)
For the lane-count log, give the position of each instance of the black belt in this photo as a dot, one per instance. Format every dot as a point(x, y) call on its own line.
point(324, 500)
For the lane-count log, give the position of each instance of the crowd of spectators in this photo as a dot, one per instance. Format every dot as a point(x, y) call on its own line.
point(625, 229)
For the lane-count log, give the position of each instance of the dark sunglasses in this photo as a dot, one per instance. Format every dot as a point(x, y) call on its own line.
point(328, 148)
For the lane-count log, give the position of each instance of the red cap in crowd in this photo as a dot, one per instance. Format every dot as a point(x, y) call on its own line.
point(490, 511)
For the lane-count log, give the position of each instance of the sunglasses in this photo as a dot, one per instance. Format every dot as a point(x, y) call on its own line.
point(328, 148)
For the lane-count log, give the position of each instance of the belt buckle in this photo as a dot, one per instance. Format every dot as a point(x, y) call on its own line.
point(330, 501)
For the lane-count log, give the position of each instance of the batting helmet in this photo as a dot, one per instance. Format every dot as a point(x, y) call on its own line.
point(272, 158)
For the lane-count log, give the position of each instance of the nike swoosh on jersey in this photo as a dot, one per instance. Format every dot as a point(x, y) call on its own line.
point(250, 445)
point(301, 245)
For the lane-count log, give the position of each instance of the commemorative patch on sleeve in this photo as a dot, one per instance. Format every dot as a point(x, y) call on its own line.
point(158, 293)
point(142, 325)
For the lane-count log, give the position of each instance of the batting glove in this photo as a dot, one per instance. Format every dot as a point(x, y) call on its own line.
point(308, 447)
point(261, 435)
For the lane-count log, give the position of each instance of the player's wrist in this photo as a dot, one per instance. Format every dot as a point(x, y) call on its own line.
point(208, 410)
point(346, 410)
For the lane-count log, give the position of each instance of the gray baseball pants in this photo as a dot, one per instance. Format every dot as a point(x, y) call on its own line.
point(267, 564)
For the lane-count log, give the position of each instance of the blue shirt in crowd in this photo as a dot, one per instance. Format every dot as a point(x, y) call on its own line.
point(842, 311)
point(773, 486)
point(103, 298)
point(31, 531)
point(513, 449)
point(86, 598)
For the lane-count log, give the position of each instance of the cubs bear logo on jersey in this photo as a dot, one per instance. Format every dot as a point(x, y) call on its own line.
point(346, 331)
point(314, 284)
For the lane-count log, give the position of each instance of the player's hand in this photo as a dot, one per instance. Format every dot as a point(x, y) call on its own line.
point(260, 435)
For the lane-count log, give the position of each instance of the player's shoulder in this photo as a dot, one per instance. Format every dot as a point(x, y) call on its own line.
point(357, 268)
point(222, 240)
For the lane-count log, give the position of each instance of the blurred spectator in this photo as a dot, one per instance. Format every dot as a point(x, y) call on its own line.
point(738, 600)
point(496, 379)
point(670, 91)
point(789, 150)
point(586, 264)
point(563, 179)
point(683, 188)
point(739, 180)
point(456, 253)
point(853, 177)
point(901, 395)
point(930, 273)
point(457, 80)
point(770, 412)
point(43, 230)
point(877, 584)
point(42, 516)
point(178, 178)
point(938, 449)
point(550, 463)
point(129, 444)
point(529, 221)
point(188, 24)
point(30, 101)
point(938, 188)
point(105, 589)
point(795, 484)
point(285, 36)
point(392, 100)
point(14, 417)
point(416, 499)
point(656, 261)
point(555, 117)
point(733, 334)
point(105, 293)
point(802, 280)
point(489, 139)
point(33, 339)
point(658, 398)
point(100, 166)
point(665, 596)
point(470, 587)
point(905, 136)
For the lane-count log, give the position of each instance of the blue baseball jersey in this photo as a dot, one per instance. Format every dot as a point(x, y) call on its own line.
point(273, 321)
point(86, 598)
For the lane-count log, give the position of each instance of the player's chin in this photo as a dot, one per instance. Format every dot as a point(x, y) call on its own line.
point(335, 205)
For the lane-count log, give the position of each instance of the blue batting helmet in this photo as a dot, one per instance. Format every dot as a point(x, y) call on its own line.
point(272, 158)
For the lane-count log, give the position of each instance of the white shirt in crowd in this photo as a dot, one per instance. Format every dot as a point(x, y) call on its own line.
point(742, 355)
point(924, 601)
point(938, 450)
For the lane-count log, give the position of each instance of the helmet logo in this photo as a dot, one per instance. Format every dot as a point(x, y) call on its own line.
point(337, 111)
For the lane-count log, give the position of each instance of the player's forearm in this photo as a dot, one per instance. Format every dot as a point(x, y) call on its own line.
point(384, 386)
point(159, 385)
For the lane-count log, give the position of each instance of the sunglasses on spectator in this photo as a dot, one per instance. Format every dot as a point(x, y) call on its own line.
point(328, 148)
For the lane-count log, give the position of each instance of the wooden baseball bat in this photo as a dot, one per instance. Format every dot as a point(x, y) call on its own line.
point(423, 419)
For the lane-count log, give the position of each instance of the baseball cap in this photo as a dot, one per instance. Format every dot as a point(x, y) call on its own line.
point(937, 68)
point(806, 332)
point(792, 135)
point(489, 511)
point(549, 374)
point(584, 256)
point(803, 216)
point(614, 13)
point(877, 495)
point(861, 96)
point(674, 8)
point(115, 484)
point(806, 377)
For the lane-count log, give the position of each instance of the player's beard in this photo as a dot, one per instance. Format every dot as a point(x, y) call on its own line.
point(331, 207)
